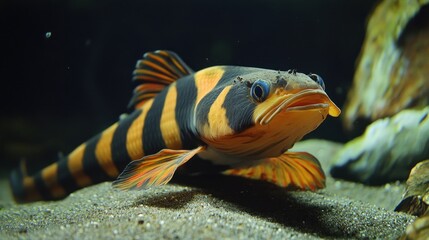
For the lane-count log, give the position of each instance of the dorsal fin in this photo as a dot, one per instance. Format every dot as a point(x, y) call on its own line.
point(154, 72)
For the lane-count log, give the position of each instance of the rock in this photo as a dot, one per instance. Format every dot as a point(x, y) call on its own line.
point(418, 230)
point(393, 69)
point(416, 197)
point(416, 202)
point(387, 150)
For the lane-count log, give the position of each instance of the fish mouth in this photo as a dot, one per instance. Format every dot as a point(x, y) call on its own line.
point(304, 100)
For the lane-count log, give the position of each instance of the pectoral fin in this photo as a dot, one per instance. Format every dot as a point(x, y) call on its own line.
point(298, 169)
point(153, 170)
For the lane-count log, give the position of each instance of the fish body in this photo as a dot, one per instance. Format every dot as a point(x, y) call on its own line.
point(240, 119)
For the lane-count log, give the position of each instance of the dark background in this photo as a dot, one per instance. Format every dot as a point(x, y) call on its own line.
point(59, 90)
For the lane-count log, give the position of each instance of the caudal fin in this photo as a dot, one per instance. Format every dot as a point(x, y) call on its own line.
point(23, 187)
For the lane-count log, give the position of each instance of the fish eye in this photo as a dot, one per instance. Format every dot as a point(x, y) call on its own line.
point(318, 79)
point(260, 90)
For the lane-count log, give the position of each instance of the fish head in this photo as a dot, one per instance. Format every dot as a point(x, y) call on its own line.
point(262, 113)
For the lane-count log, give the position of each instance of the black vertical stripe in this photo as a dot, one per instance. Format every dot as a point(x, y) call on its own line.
point(239, 108)
point(120, 154)
point(186, 97)
point(152, 136)
point(228, 78)
point(91, 167)
point(65, 177)
point(41, 186)
point(204, 106)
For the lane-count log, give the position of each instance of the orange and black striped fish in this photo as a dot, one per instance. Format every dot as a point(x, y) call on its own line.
point(238, 119)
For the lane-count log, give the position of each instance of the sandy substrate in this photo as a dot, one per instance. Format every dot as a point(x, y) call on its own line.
point(211, 207)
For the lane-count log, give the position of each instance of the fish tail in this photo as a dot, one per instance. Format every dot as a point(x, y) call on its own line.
point(43, 185)
point(52, 182)
point(20, 190)
point(90, 163)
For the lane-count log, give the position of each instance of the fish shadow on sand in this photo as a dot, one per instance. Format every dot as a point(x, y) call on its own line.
point(171, 200)
point(254, 197)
